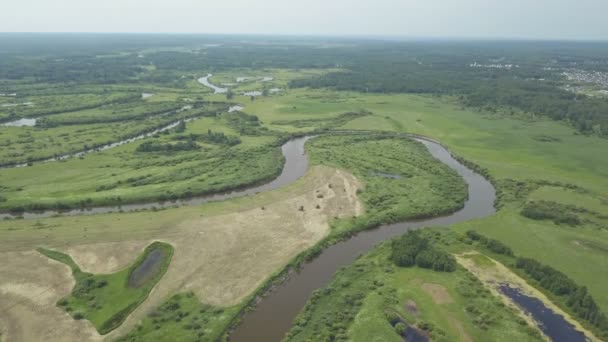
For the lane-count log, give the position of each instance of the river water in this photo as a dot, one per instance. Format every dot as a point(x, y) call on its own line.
point(205, 81)
point(296, 164)
point(103, 147)
point(274, 313)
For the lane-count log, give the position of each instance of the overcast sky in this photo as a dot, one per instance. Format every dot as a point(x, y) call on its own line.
point(553, 19)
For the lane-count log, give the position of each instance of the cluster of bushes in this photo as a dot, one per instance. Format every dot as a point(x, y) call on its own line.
point(413, 249)
point(576, 297)
point(326, 123)
point(546, 210)
point(245, 124)
point(492, 244)
point(154, 146)
point(217, 138)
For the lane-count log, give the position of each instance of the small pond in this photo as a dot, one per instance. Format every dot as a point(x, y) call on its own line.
point(386, 175)
point(235, 109)
point(21, 122)
point(148, 269)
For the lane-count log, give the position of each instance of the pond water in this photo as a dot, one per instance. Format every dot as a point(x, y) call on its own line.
point(148, 269)
point(552, 324)
point(205, 81)
point(386, 175)
point(235, 109)
point(21, 122)
point(252, 93)
point(8, 105)
point(414, 335)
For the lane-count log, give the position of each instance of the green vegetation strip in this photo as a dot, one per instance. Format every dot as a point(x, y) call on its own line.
point(107, 299)
point(564, 291)
point(373, 299)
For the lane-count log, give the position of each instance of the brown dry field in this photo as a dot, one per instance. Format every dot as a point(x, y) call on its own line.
point(223, 251)
point(438, 292)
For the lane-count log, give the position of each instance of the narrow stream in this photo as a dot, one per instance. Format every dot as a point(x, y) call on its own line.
point(102, 147)
point(216, 90)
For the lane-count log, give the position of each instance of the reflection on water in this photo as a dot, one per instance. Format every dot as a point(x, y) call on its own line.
point(553, 325)
point(205, 81)
point(147, 269)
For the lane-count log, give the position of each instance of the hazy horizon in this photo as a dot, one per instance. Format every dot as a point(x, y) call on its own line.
point(407, 19)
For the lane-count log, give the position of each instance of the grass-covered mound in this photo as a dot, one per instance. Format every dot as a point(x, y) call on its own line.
point(107, 299)
point(401, 179)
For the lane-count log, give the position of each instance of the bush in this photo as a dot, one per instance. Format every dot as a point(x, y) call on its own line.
point(491, 244)
point(400, 328)
point(545, 210)
point(412, 249)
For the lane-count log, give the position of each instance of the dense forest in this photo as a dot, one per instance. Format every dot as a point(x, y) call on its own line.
point(507, 76)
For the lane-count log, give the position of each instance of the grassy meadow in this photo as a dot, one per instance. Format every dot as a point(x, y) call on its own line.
point(400, 181)
point(365, 301)
point(107, 299)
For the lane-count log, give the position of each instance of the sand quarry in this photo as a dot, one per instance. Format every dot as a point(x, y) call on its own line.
point(222, 258)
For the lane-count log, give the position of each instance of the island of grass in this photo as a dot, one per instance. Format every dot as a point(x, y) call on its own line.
point(409, 286)
point(107, 299)
point(402, 179)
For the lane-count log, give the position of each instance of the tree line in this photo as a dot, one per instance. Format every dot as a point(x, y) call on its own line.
point(491, 244)
point(577, 298)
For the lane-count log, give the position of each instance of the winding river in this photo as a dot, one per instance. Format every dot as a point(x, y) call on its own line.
point(274, 313)
point(99, 148)
point(296, 164)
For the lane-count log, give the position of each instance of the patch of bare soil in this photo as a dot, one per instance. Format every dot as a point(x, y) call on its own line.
point(108, 257)
point(222, 258)
point(411, 307)
point(438, 292)
point(30, 286)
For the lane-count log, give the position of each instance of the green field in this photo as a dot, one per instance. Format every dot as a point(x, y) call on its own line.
point(107, 299)
point(541, 144)
point(402, 180)
point(365, 299)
